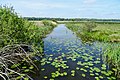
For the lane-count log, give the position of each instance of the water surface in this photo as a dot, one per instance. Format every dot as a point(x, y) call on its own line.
point(68, 58)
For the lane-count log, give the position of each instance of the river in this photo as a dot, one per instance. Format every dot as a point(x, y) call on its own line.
point(68, 58)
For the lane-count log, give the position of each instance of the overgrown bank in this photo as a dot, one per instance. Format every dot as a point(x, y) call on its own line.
point(95, 31)
point(108, 36)
point(16, 34)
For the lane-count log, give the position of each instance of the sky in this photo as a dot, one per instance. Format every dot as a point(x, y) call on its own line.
point(66, 8)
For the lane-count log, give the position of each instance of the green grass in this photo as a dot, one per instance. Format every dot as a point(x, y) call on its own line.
point(111, 55)
point(103, 32)
point(107, 32)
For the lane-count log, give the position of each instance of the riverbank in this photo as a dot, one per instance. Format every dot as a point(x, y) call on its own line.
point(20, 42)
point(109, 37)
point(103, 32)
point(68, 58)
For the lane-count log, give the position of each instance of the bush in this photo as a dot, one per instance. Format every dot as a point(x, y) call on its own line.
point(49, 23)
point(16, 30)
point(13, 29)
point(88, 26)
point(54, 20)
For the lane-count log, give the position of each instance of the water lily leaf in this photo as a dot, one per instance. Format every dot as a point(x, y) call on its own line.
point(72, 74)
point(83, 75)
point(77, 68)
point(91, 74)
point(97, 78)
point(73, 71)
point(101, 77)
point(45, 77)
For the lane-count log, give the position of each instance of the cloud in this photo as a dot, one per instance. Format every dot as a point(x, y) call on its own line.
point(89, 1)
point(42, 5)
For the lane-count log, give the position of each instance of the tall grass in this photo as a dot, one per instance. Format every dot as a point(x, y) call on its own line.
point(111, 55)
point(103, 32)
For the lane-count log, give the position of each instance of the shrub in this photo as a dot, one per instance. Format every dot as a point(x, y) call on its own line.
point(88, 26)
point(54, 20)
point(14, 31)
point(49, 23)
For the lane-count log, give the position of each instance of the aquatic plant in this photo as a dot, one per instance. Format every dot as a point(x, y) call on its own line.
point(111, 56)
point(83, 75)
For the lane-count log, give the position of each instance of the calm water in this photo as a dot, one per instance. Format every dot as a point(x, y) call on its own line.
point(65, 53)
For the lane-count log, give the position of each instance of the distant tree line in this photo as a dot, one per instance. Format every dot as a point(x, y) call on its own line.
point(70, 19)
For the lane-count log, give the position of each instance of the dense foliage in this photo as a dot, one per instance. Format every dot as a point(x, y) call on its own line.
point(16, 32)
point(15, 29)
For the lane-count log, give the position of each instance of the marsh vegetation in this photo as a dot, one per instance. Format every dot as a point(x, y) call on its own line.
point(38, 50)
point(107, 35)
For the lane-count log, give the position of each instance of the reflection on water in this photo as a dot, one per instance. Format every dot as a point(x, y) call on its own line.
point(67, 58)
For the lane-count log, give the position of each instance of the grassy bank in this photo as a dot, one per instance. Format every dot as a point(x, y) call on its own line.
point(20, 41)
point(103, 32)
point(109, 37)
point(112, 56)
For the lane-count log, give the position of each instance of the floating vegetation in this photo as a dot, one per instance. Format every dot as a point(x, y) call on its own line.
point(91, 74)
point(97, 69)
point(73, 73)
point(83, 75)
point(67, 54)
point(97, 78)
point(77, 68)
point(70, 58)
point(45, 77)
point(42, 69)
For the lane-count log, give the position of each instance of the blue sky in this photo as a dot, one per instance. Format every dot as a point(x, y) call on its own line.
point(66, 8)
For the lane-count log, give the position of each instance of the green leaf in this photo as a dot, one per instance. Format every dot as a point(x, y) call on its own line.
point(83, 75)
point(27, 70)
point(15, 65)
point(26, 78)
point(19, 77)
point(45, 77)
point(31, 67)
point(24, 67)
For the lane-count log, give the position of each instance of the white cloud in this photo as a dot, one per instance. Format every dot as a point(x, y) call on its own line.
point(42, 5)
point(89, 1)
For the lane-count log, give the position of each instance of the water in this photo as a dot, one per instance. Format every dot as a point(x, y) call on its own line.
point(68, 58)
